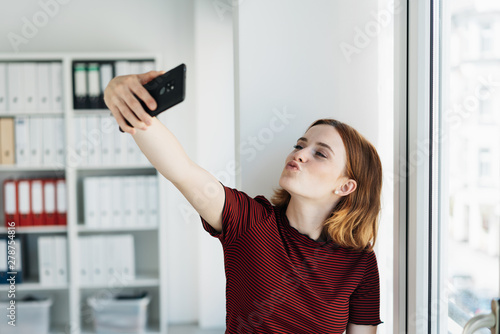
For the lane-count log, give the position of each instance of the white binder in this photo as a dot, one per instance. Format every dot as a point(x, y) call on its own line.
point(46, 260)
point(141, 196)
point(91, 201)
point(3, 87)
point(60, 146)
point(108, 127)
point(81, 142)
point(36, 141)
point(148, 66)
point(105, 201)
point(98, 259)
point(116, 201)
point(106, 74)
point(135, 67)
point(94, 139)
point(77, 159)
point(15, 88)
point(152, 200)
point(122, 68)
point(127, 258)
point(129, 201)
point(85, 260)
point(19, 256)
point(49, 142)
point(22, 130)
point(29, 86)
point(56, 86)
point(120, 147)
point(61, 266)
point(113, 250)
point(44, 102)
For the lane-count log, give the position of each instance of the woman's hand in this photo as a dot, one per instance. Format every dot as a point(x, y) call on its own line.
point(121, 98)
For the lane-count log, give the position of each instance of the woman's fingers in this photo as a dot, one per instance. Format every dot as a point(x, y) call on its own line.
point(122, 97)
point(136, 106)
point(121, 121)
point(130, 115)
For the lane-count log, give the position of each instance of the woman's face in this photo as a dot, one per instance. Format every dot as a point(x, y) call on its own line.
point(315, 168)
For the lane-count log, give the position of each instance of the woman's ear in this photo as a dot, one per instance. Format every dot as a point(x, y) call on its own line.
point(348, 187)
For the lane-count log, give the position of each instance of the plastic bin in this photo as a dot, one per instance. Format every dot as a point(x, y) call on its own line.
point(120, 314)
point(32, 316)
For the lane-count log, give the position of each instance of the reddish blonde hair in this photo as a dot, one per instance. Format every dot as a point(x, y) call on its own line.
point(353, 222)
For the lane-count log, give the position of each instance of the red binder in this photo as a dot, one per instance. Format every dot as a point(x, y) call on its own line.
point(10, 203)
point(24, 202)
point(61, 207)
point(36, 193)
point(49, 202)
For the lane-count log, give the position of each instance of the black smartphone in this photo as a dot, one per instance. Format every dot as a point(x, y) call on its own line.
point(168, 90)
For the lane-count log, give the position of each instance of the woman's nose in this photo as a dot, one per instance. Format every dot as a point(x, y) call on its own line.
point(300, 156)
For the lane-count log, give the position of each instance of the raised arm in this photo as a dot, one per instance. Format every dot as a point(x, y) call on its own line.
point(163, 150)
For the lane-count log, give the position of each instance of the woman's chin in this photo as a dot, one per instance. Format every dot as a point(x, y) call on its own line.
point(287, 184)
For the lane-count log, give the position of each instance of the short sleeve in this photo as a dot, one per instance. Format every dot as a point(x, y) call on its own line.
point(240, 214)
point(364, 304)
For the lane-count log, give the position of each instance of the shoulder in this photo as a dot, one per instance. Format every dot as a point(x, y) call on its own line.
point(239, 195)
point(364, 257)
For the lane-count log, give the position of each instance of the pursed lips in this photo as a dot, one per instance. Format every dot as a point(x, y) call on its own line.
point(293, 165)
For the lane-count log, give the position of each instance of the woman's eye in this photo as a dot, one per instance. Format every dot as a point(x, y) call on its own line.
point(297, 147)
point(321, 154)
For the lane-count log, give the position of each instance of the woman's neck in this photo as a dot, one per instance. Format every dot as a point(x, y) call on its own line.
point(307, 217)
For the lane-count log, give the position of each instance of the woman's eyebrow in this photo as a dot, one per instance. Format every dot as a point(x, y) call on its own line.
point(304, 139)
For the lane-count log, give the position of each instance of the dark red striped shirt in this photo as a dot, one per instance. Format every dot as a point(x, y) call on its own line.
point(281, 281)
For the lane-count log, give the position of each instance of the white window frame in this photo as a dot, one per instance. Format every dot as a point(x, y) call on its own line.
point(416, 266)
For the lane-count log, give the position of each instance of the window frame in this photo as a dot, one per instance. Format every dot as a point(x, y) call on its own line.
point(417, 89)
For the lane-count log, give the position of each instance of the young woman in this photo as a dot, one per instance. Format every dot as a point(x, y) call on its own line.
point(301, 264)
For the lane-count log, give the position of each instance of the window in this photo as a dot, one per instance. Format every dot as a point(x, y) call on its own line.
point(468, 253)
point(453, 155)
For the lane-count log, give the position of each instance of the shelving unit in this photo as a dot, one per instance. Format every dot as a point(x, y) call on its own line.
point(69, 312)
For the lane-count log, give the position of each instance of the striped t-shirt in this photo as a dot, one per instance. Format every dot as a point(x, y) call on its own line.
point(281, 281)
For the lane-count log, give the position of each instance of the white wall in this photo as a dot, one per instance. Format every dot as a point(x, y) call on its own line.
point(215, 145)
point(290, 61)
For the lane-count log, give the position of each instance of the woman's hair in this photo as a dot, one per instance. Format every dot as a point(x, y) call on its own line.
point(353, 222)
